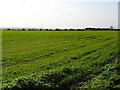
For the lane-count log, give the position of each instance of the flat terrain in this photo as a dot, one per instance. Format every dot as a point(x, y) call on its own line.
point(60, 60)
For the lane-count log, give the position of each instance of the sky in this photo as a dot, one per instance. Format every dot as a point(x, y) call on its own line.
point(59, 13)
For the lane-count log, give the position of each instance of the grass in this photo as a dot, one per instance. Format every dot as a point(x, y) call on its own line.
point(60, 60)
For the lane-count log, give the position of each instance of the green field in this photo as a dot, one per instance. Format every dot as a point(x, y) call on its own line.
point(40, 60)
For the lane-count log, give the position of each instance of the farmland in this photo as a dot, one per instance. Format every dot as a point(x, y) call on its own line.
point(40, 60)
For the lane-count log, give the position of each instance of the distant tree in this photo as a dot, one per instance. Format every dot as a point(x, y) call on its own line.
point(8, 29)
point(80, 29)
point(50, 30)
point(71, 29)
point(46, 29)
point(57, 29)
point(23, 29)
point(29, 29)
point(41, 29)
point(65, 29)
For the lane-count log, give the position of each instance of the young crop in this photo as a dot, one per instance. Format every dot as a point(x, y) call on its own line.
point(53, 60)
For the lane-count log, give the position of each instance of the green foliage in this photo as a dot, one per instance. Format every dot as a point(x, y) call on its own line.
point(40, 60)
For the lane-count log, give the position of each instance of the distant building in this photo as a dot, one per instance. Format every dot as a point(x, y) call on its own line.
point(111, 27)
point(119, 15)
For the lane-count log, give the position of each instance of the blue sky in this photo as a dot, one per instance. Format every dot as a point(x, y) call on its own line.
point(58, 13)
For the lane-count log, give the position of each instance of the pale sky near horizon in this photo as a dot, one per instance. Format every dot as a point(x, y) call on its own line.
point(58, 13)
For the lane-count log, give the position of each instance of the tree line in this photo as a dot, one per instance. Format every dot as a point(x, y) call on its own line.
point(57, 29)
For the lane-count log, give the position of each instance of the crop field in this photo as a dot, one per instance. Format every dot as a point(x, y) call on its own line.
point(60, 60)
